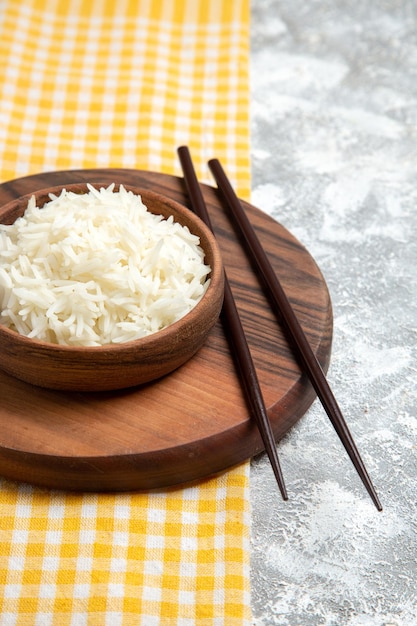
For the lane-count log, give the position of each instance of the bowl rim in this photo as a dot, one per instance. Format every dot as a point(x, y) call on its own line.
point(215, 276)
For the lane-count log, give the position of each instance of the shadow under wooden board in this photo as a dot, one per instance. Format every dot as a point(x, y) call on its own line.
point(193, 423)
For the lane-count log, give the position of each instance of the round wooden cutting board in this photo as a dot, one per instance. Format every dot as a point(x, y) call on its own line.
point(193, 423)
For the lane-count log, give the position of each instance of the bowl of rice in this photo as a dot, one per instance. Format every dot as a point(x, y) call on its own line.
point(103, 286)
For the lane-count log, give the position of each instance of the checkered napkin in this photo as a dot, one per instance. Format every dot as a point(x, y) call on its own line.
point(121, 84)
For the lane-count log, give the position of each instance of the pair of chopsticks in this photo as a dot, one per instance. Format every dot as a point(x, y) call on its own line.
point(287, 317)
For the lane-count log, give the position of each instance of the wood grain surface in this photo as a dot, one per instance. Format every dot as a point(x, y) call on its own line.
point(194, 422)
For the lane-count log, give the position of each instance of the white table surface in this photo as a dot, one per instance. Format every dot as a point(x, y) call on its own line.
point(334, 153)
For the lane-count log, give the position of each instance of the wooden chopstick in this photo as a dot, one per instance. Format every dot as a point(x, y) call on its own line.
point(295, 333)
point(235, 332)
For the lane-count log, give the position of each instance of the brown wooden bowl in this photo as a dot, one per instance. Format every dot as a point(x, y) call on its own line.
point(116, 366)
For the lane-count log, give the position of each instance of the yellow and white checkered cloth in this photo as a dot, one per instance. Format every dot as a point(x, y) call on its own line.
point(122, 84)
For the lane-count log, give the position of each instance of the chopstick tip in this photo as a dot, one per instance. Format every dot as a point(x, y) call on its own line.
point(377, 503)
point(276, 467)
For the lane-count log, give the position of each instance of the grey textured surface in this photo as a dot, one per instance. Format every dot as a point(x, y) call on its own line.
point(334, 153)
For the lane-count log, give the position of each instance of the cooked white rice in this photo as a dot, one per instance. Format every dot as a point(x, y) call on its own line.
point(97, 268)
